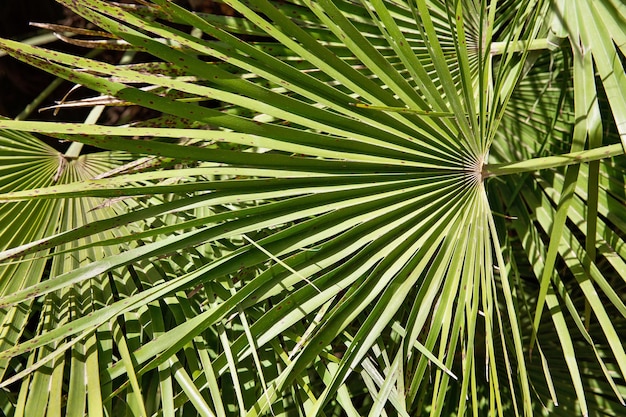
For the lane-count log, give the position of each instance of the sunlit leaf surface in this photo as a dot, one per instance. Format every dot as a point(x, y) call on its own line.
point(345, 208)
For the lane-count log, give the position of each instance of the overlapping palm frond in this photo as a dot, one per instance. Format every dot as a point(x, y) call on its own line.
point(360, 208)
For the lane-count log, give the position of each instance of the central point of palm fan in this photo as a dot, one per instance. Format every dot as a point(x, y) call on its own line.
point(476, 169)
point(484, 172)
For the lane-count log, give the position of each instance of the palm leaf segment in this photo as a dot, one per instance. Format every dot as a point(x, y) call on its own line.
point(333, 215)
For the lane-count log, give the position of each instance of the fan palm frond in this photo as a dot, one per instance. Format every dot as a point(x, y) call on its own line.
point(359, 207)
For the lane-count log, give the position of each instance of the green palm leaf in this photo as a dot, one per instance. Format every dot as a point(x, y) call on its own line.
point(358, 208)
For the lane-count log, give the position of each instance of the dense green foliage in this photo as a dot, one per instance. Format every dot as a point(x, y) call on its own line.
point(346, 207)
